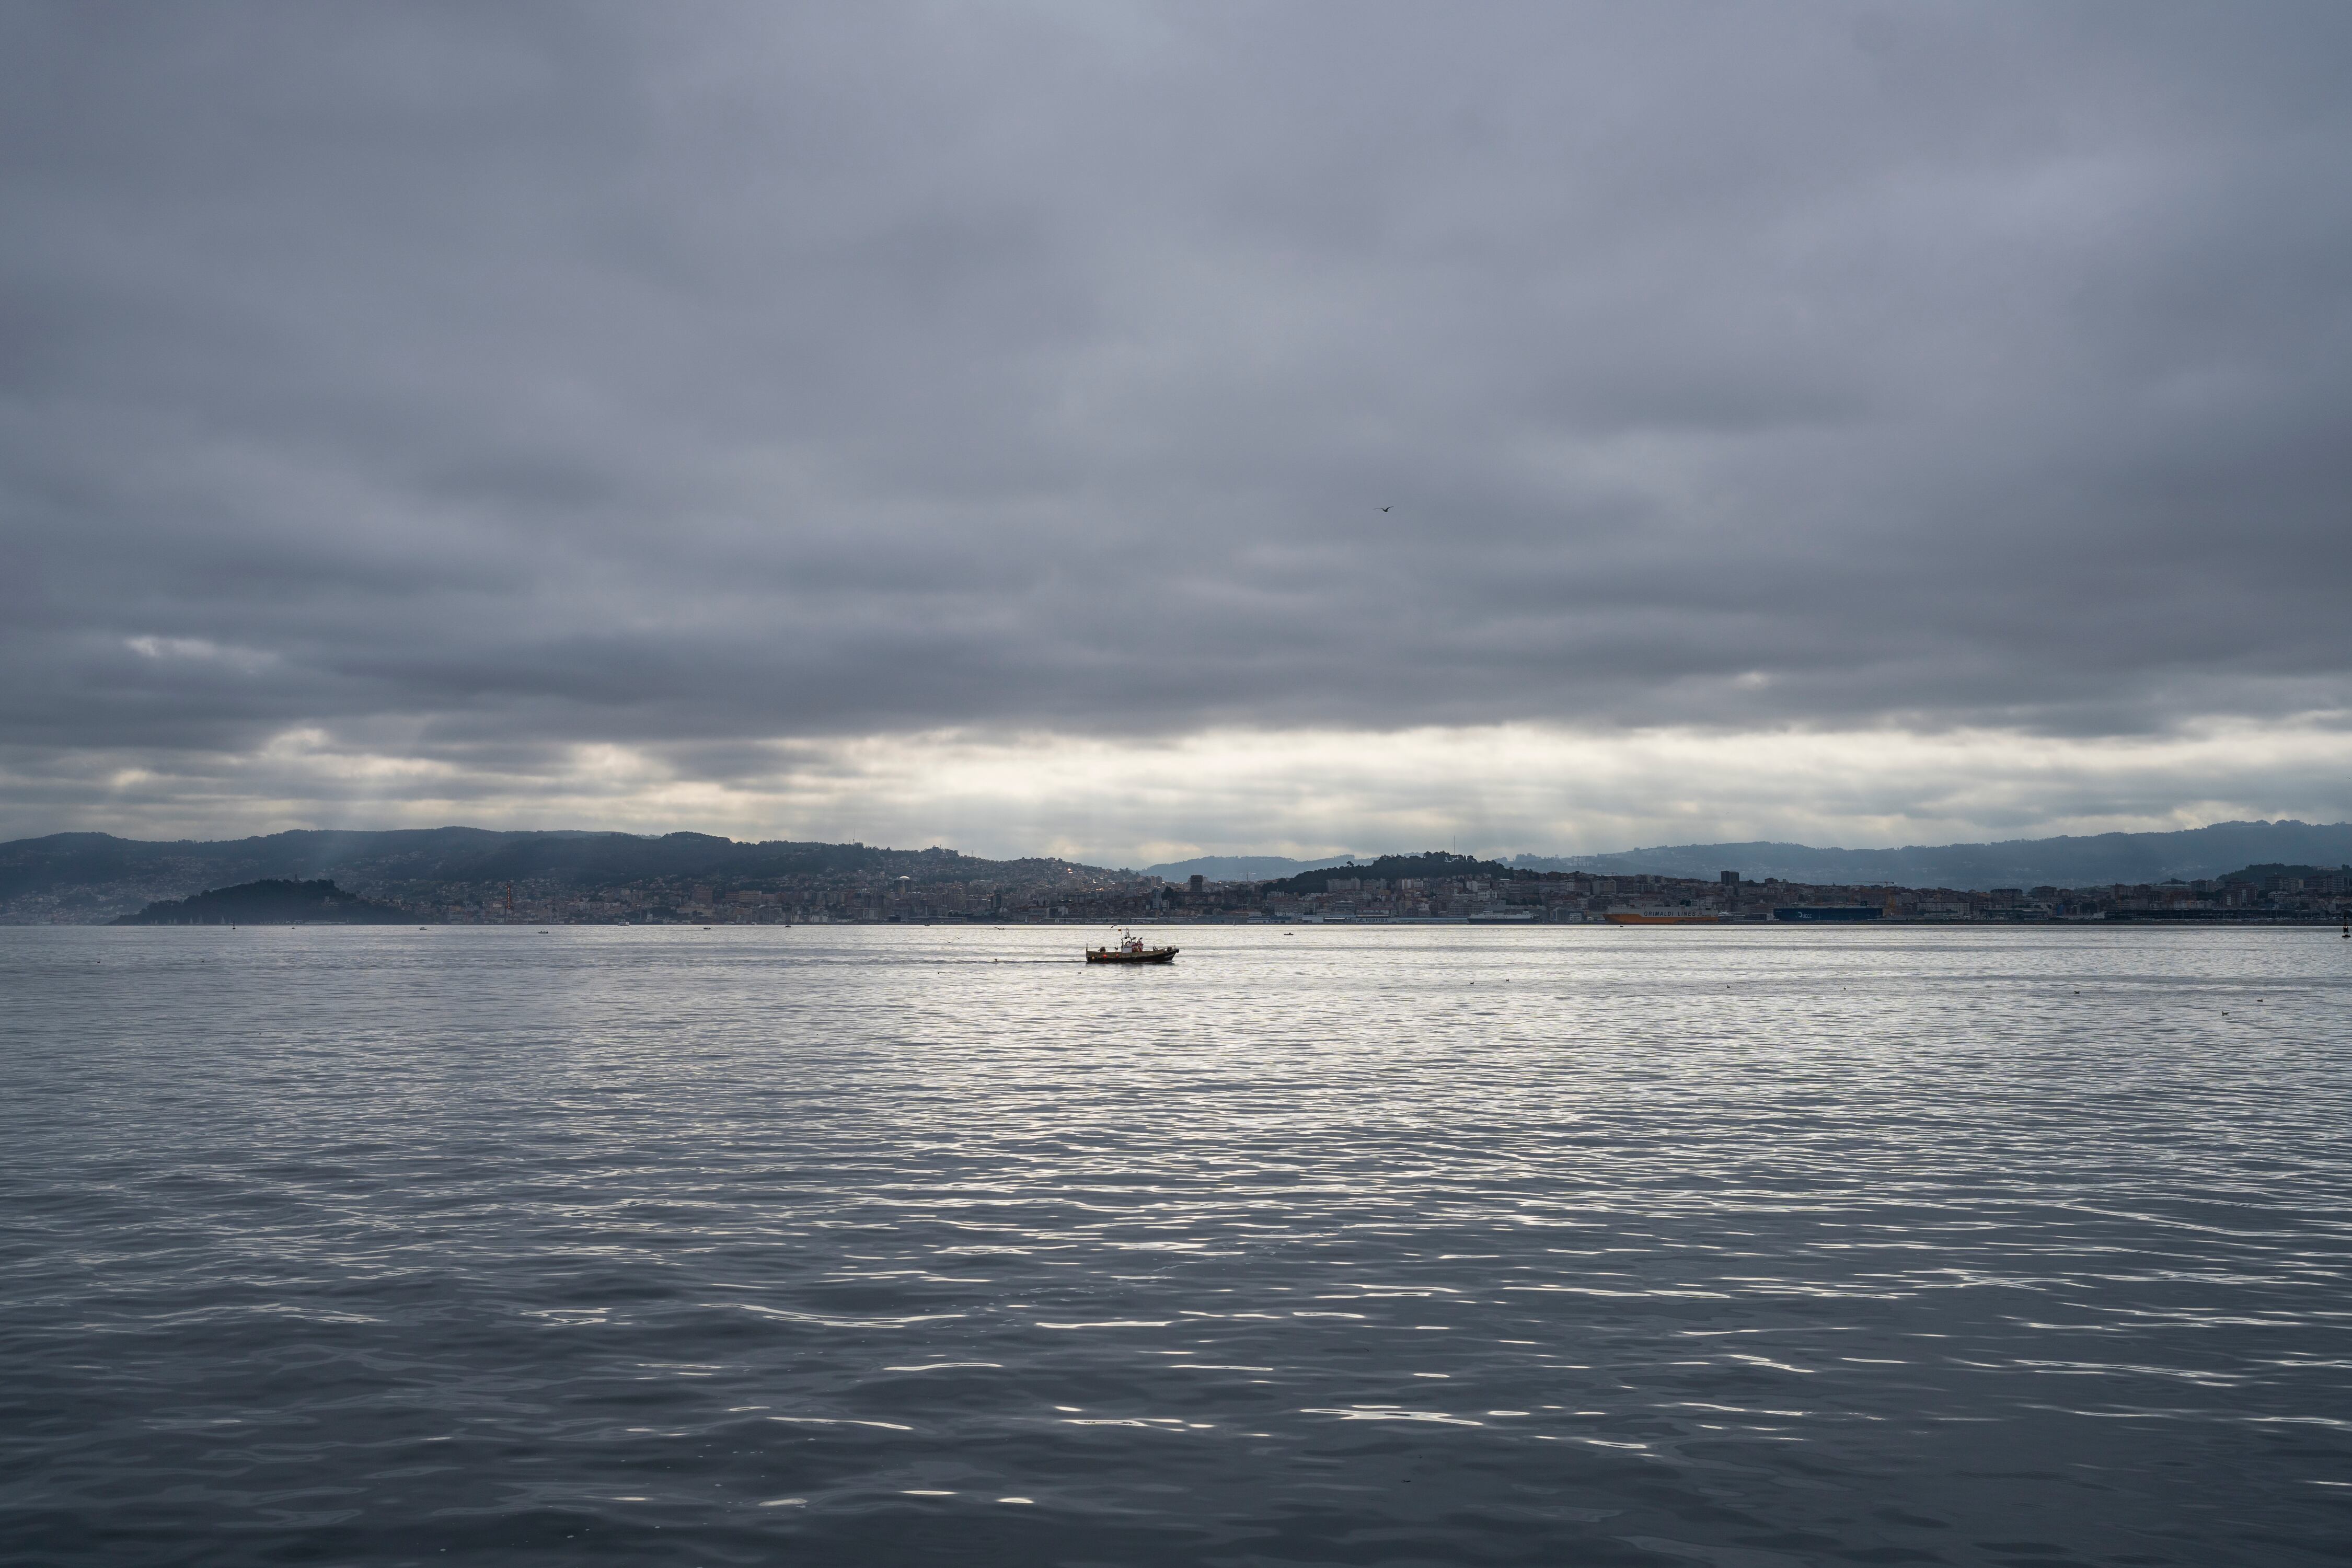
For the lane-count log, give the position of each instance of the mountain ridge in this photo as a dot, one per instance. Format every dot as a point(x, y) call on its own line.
point(110, 875)
point(146, 869)
point(2064, 860)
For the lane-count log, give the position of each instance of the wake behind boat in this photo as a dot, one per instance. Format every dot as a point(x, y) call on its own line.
point(1130, 950)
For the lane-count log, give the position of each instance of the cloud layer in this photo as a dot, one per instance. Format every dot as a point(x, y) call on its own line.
point(1495, 789)
point(489, 393)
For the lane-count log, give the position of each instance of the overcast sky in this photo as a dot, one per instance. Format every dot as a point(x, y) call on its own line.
point(1143, 430)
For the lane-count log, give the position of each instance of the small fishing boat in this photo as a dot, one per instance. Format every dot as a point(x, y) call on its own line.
point(1130, 950)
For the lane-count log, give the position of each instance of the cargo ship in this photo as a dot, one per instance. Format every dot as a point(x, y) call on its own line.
point(1628, 917)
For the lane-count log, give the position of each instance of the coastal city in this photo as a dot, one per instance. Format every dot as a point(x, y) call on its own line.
point(472, 876)
point(1483, 894)
point(1428, 889)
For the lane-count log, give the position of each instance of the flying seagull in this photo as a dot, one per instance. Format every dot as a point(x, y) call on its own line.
point(1384, 509)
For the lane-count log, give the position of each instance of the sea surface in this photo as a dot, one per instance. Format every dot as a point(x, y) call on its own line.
point(1747, 1248)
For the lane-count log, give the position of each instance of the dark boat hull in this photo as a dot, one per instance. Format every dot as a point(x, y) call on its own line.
point(1627, 919)
point(1149, 955)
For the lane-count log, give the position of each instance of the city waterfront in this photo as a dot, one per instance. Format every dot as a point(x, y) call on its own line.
point(1751, 1246)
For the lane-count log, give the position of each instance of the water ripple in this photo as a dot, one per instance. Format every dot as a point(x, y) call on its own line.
point(1750, 1249)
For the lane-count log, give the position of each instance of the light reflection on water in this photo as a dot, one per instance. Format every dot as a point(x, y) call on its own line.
point(1432, 1245)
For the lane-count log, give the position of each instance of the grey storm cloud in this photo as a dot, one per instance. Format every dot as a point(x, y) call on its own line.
point(528, 375)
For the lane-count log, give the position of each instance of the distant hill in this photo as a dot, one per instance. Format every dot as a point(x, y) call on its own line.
point(2092, 860)
point(2263, 876)
point(94, 876)
point(103, 875)
point(1390, 868)
point(273, 902)
point(1241, 867)
point(452, 854)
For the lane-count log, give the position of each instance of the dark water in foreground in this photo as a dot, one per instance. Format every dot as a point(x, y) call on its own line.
point(1740, 1249)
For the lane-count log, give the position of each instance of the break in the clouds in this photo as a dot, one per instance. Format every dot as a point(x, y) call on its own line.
point(584, 412)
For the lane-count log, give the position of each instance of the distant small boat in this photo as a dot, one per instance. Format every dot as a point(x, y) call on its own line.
point(1627, 918)
point(1130, 950)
